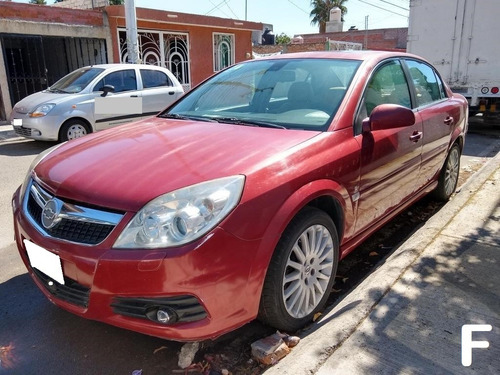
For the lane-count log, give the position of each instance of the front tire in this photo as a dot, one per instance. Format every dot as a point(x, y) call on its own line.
point(448, 178)
point(73, 129)
point(301, 272)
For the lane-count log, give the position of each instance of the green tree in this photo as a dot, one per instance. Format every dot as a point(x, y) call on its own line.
point(283, 39)
point(321, 11)
point(116, 2)
point(39, 2)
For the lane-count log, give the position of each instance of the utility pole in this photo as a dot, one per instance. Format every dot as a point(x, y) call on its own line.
point(131, 25)
point(366, 32)
point(246, 1)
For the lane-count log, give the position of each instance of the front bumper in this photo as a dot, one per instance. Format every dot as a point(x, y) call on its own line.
point(44, 128)
point(207, 284)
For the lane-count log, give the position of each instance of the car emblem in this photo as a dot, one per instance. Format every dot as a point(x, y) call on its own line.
point(50, 214)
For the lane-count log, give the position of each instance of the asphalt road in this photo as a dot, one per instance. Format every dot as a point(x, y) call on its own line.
point(36, 337)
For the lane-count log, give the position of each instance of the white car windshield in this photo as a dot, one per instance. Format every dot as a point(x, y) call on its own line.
point(75, 81)
point(284, 93)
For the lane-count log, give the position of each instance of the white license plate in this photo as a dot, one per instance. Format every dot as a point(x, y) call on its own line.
point(45, 261)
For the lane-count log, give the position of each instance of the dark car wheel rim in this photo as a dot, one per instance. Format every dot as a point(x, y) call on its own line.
point(308, 271)
point(451, 172)
point(76, 131)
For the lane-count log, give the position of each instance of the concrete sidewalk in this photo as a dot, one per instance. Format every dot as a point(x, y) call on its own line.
point(6, 131)
point(406, 317)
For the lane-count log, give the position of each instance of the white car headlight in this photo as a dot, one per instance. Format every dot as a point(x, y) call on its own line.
point(42, 110)
point(183, 215)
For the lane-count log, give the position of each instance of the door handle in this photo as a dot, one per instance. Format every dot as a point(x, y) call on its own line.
point(133, 96)
point(449, 120)
point(171, 92)
point(416, 136)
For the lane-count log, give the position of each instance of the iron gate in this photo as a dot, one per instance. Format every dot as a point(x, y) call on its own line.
point(35, 62)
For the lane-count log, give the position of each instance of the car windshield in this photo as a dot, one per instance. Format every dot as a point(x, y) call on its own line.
point(282, 93)
point(75, 81)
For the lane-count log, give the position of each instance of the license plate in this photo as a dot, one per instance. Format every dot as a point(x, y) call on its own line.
point(45, 261)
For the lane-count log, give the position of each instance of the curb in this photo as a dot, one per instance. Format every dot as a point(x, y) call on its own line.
point(325, 336)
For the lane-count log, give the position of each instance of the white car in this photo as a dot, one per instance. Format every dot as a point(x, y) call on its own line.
point(94, 98)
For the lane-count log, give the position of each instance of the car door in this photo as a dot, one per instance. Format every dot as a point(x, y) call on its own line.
point(390, 158)
point(159, 91)
point(438, 115)
point(122, 105)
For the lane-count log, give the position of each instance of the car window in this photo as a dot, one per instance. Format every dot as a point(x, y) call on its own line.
point(388, 85)
point(76, 81)
point(428, 87)
point(154, 78)
point(122, 80)
point(290, 93)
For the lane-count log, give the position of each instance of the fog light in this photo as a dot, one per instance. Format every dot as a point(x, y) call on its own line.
point(163, 316)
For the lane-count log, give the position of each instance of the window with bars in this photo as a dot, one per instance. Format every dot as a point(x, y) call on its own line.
point(223, 51)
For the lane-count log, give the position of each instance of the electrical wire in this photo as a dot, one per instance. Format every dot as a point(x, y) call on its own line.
point(387, 10)
point(291, 2)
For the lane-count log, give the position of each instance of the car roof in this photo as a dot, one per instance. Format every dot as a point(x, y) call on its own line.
point(124, 66)
point(365, 55)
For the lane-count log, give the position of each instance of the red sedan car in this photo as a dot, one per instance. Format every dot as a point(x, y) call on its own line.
point(239, 200)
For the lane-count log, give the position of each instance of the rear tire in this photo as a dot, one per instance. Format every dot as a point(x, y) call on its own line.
point(301, 272)
point(448, 178)
point(73, 129)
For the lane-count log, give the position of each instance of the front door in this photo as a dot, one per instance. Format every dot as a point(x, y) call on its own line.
point(121, 106)
point(390, 159)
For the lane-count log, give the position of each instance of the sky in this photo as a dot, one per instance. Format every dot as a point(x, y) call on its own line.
point(288, 16)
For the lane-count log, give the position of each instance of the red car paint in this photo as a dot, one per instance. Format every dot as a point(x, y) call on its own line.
point(124, 168)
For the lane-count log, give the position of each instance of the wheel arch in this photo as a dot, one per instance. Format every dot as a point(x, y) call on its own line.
point(326, 195)
point(87, 123)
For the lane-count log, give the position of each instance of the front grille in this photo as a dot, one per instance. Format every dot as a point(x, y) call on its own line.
point(187, 308)
point(74, 223)
point(25, 132)
point(71, 230)
point(71, 291)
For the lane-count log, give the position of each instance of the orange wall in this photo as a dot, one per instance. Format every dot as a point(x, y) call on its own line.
point(200, 35)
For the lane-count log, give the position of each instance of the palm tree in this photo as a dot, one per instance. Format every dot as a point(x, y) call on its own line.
point(321, 12)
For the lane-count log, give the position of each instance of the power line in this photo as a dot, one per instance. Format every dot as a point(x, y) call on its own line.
point(291, 2)
point(387, 10)
point(227, 4)
point(394, 5)
point(217, 7)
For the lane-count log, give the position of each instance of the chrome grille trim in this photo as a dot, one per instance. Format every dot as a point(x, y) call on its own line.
point(72, 213)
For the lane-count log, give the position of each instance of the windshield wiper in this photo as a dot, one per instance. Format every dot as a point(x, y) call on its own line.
point(176, 116)
point(237, 121)
point(59, 91)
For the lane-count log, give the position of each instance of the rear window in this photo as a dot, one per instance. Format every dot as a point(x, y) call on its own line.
point(154, 78)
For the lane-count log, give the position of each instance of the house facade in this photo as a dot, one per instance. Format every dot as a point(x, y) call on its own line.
point(40, 44)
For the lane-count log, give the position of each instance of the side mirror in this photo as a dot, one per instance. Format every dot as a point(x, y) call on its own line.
point(106, 89)
point(388, 116)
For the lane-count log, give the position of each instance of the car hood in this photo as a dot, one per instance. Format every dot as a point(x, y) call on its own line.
point(32, 101)
point(128, 166)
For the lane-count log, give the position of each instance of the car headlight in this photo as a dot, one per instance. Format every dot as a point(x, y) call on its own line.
point(42, 110)
point(183, 215)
